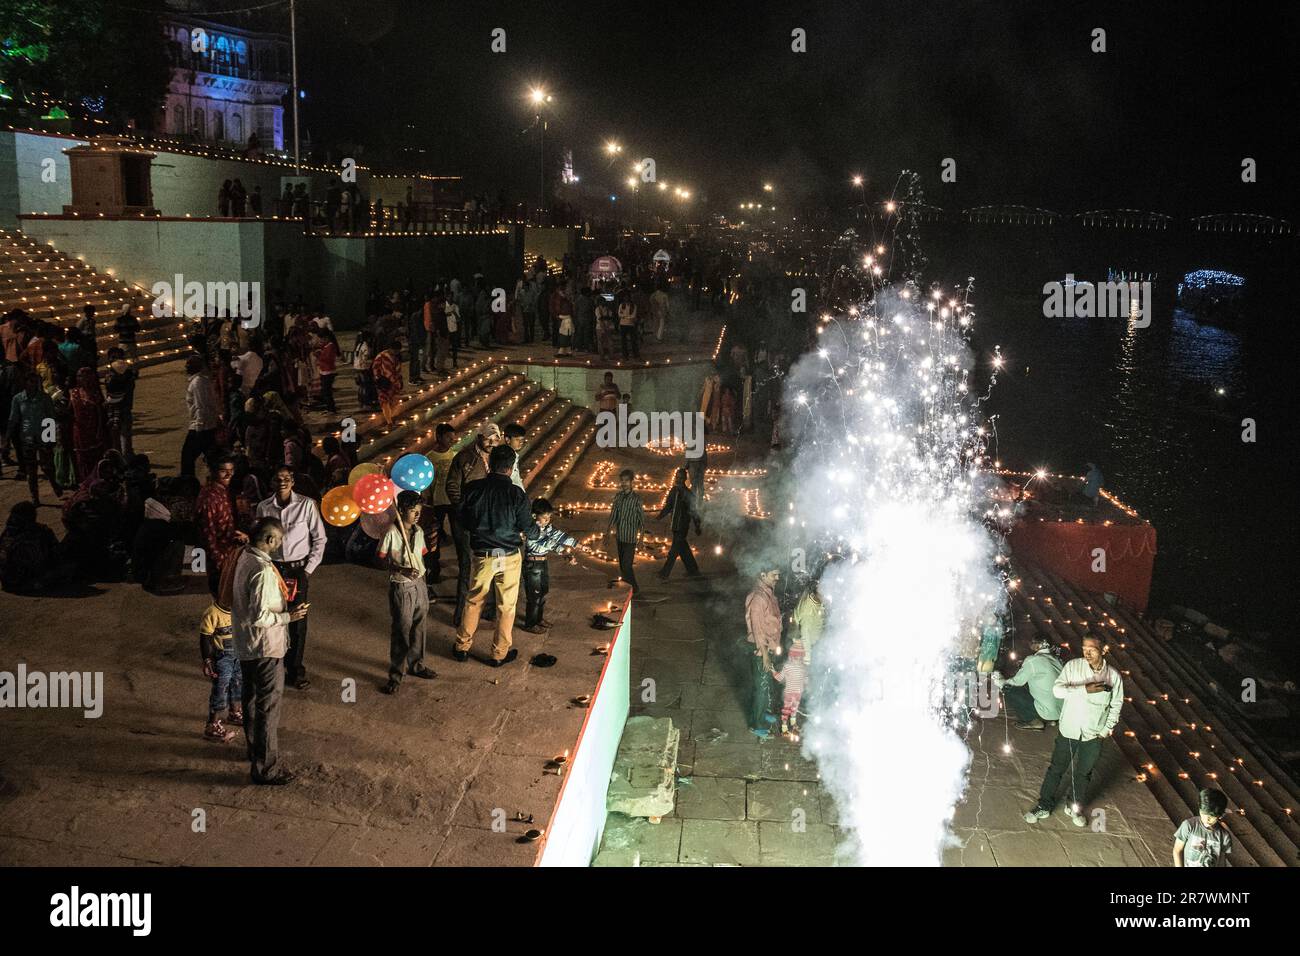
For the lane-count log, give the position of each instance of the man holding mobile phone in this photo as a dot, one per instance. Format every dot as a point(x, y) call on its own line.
point(301, 552)
point(260, 619)
point(1093, 692)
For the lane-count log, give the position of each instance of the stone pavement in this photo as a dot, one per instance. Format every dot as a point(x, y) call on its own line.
point(408, 780)
point(738, 797)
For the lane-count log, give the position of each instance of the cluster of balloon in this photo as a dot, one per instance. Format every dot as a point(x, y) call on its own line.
point(369, 493)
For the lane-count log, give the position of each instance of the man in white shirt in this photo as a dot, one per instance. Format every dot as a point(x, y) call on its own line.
point(1093, 693)
point(301, 553)
point(260, 619)
point(248, 365)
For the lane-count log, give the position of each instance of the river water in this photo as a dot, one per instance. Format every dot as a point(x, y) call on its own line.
point(1144, 404)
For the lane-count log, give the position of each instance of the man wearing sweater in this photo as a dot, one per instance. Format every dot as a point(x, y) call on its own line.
point(1092, 692)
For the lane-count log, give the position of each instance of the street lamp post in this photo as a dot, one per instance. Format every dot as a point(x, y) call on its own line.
point(540, 98)
point(293, 46)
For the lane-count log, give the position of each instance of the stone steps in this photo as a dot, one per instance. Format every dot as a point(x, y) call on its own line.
point(54, 287)
point(559, 432)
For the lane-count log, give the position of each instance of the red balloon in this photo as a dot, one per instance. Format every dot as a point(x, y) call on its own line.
point(374, 493)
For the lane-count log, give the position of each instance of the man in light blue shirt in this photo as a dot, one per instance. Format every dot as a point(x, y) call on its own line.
point(1029, 693)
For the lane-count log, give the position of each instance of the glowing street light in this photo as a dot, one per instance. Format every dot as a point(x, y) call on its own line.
point(857, 180)
point(890, 206)
point(767, 187)
point(613, 148)
point(631, 182)
point(539, 98)
point(662, 185)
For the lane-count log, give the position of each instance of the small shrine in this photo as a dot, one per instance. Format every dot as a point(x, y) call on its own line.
point(110, 177)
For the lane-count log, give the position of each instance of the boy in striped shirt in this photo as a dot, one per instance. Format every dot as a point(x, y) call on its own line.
point(543, 540)
point(626, 522)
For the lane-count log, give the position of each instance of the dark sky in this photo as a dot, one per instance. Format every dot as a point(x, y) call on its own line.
point(713, 92)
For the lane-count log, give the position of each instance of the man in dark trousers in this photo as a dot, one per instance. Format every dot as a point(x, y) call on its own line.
point(260, 619)
point(470, 464)
point(626, 523)
point(300, 554)
point(681, 506)
point(402, 551)
point(495, 515)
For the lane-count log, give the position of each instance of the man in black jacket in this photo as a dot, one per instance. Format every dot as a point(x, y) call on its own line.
point(681, 505)
point(495, 515)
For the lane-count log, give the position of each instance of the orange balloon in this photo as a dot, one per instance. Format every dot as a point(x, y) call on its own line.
point(338, 507)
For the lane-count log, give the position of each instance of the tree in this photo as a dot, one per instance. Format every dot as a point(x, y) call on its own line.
point(92, 54)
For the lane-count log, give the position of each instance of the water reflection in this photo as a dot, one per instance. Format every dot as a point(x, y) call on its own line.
point(1145, 404)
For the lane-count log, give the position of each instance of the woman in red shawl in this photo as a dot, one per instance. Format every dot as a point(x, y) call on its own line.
point(89, 423)
point(387, 370)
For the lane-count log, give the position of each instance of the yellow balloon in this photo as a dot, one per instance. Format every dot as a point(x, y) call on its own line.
point(338, 507)
point(363, 469)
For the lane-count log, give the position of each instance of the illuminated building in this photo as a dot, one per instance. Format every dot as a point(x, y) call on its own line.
point(226, 84)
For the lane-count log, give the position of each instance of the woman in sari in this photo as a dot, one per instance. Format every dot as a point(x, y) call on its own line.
point(387, 371)
point(89, 422)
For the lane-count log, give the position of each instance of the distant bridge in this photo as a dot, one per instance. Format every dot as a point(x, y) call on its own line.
point(1239, 223)
point(1018, 248)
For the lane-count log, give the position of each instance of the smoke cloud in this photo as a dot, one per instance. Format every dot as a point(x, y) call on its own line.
point(882, 475)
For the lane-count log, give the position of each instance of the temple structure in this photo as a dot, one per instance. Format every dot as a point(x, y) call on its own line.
point(226, 84)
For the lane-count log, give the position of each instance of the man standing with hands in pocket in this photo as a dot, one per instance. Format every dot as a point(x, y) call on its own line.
point(301, 552)
point(402, 552)
point(763, 624)
point(1093, 692)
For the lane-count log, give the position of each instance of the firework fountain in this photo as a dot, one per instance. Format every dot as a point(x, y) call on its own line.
point(888, 458)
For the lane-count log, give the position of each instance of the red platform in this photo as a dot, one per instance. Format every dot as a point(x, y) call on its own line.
point(1058, 530)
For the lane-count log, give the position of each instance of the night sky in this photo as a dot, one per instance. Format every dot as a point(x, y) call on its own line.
point(1010, 90)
